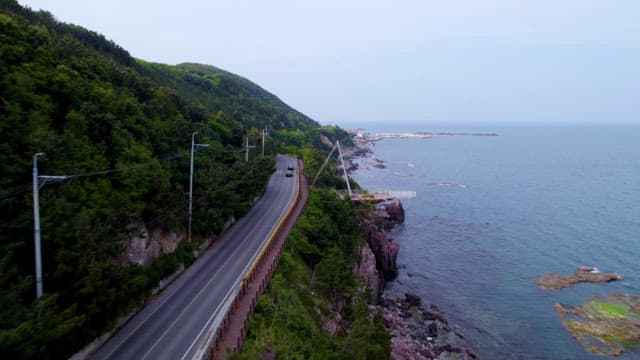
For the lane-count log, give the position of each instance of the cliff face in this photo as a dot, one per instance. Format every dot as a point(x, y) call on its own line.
point(367, 269)
point(142, 246)
point(384, 250)
point(394, 214)
point(378, 255)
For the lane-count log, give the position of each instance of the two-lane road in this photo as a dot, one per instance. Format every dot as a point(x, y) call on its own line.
point(176, 325)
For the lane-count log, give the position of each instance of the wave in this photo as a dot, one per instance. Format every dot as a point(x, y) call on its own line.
point(447, 184)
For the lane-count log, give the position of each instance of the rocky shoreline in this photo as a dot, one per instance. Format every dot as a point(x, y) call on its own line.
point(418, 331)
point(421, 332)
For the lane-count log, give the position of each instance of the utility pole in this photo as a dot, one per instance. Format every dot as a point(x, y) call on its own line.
point(36, 225)
point(264, 133)
point(344, 169)
point(193, 147)
point(247, 147)
point(36, 220)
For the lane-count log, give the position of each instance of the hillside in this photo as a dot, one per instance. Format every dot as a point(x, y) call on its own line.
point(121, 129)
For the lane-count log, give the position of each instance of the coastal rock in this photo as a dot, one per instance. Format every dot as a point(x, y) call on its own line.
point(416, 338)
point(605, 325)
point(412, 299)
point(395, 214)
point(448, 348)
point(366, 268)
point(385, 251)
point(432, 330)
point(583, 274)
point(471, 354)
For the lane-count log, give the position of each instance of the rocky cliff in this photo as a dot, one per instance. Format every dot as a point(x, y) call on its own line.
point(142, 245)
point(378, 255)
point(394, 214)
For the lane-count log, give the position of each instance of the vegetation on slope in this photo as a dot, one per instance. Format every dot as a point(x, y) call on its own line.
point(91, 107)
point(314, 283)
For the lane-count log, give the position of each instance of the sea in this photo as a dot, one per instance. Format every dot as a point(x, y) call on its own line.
point(492, 213)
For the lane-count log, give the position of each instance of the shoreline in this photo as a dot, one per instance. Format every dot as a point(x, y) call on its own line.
point(419, 331)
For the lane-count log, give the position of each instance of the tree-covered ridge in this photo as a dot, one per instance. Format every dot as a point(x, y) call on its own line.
point(91, 107)
point(217, 89)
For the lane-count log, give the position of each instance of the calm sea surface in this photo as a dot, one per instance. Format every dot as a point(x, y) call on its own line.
point(493, 213)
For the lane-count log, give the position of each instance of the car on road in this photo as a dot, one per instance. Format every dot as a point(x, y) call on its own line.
point(290, 167)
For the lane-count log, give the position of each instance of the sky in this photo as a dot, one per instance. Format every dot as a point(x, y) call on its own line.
point(343, 62)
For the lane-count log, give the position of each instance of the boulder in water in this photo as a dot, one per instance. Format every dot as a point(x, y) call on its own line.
point(583, 274)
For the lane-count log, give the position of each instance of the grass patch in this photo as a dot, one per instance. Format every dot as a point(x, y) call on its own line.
point(609, 310)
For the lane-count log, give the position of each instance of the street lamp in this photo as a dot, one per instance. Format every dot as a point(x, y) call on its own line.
point(193, 146)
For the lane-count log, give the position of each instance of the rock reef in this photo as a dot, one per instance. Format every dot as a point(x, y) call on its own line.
point(583, 274)
point(604, 325)
point(421, 332)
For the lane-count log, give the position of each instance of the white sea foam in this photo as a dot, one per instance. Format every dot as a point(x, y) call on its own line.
point(447, 184)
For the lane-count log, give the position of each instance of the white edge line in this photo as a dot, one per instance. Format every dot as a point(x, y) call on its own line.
point(199, 353)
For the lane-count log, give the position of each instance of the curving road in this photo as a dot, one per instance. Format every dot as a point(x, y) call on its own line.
point(177, 324)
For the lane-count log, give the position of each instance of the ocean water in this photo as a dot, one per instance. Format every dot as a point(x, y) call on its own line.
point(493, 213)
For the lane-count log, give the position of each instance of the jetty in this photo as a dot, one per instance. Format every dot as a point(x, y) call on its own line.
point(393, 135)
point(363, 137)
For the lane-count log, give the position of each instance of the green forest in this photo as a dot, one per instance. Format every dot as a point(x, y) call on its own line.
point(119, 129)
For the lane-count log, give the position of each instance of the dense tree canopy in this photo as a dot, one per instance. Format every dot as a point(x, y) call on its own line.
point(122, 127)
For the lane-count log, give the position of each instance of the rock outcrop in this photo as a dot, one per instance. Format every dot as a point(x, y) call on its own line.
point(385, 251)
point(604, 325)
point(367, 269)
point(583, 274)
point(378, 255)
point(394, 214)
point(142, 245)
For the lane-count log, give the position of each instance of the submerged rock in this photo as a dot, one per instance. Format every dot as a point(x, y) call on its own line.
point(583, 274)
point(604, 325)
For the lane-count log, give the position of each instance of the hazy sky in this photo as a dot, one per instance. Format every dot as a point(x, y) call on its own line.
point(420, 61)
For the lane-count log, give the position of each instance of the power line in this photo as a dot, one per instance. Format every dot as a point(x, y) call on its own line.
point(112, 171)
point(15, 191)
point(58, 179)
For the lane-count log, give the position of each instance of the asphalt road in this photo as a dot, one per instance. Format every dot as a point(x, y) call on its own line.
point(176, 324)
